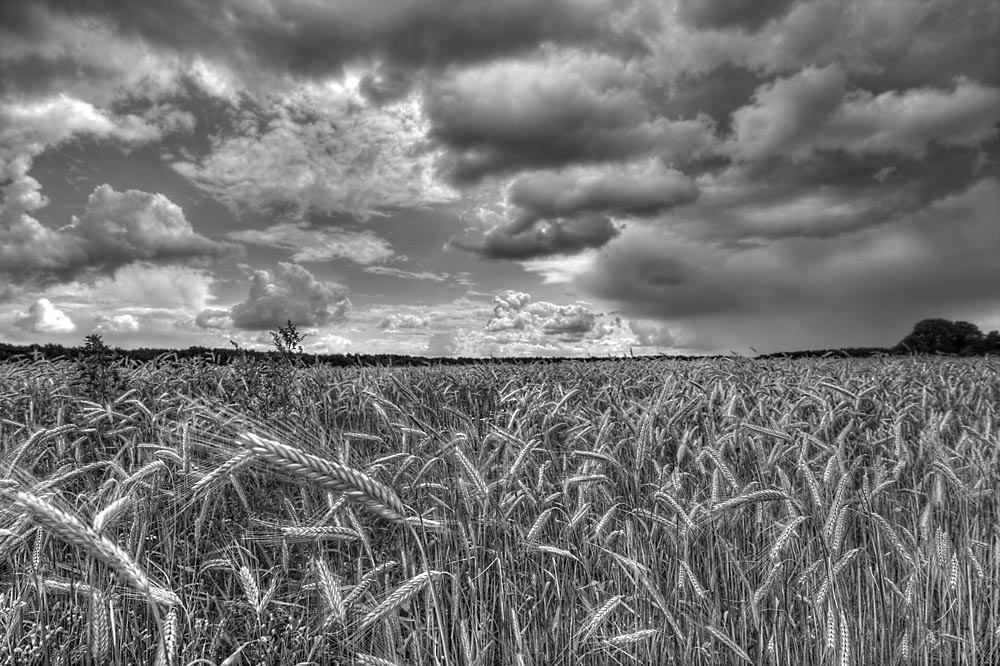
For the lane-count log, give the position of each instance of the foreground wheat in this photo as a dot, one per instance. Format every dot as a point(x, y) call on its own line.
point(75, 532)
point(357, 486)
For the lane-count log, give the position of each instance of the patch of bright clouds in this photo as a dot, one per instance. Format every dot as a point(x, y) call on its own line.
point(404, 321)
point(408, 275)
point(560, 269)
point(44, 317)
point(321, 152)
point(310, 243)
point(116, 228)
point(116, 323)
point(515, 313)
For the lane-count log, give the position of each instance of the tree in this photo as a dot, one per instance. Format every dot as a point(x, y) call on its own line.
point(943, 337)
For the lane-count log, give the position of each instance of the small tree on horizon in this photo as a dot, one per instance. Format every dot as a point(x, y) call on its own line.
point(942, 336)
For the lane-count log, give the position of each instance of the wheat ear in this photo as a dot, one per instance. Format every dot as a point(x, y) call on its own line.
point(73, 531)
point(357, 486)
point(400, 596)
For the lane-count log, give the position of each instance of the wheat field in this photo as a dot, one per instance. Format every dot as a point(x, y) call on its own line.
point(650, 511)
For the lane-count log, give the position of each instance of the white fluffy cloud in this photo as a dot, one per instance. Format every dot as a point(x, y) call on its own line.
point(146, 285)
point(43, 317)
point(515, 313)
point(32, 125)
point(291, 293)
point(395, 322)
point(319, 153)
point(116, 323)
point(116, 229)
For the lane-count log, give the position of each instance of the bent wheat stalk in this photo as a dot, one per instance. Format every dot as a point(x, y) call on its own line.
point(357, 486)
point(75, 532)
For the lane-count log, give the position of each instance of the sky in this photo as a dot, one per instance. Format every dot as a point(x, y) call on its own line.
point(498, 177)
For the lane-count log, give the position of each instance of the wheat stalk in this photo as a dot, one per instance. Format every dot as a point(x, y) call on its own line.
point(355, 485)
point(73, 531)
point(399, 596)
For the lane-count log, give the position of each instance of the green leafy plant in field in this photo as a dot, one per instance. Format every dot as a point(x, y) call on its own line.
point(100, 369)
point(267, 381)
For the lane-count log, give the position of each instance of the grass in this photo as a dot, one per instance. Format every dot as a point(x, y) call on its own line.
point(724, 511)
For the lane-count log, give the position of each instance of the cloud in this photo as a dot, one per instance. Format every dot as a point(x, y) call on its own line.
point(29, 126)
point(642, 188)
point(567, 212)
point(406, 321)
point(516, 313)
point(407, 275)
point(291, 293)
point(722, 14)
point(786, 112)
point(317, 152)
point(115, 229)
point(309, 243)
point(116, 323)
point(549, 237)
point(569, 108)
point(323, 342)
point(651, 334)
point(43, 317)
point(814, 110)
point(310, 40)
point(862, 288)
point(442, 343)
point(147, 285)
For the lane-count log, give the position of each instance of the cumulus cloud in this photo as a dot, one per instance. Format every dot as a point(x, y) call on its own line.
point(814, 110)
point(116, 323)
point(567, 212)
point(309, 243)
point(317, 152)
point(405, 321)
point(116, 229)
point(291, 293)
point(442, 343)
point(515, 312)
point(43, 317)
point(34, 124)
point(539, 114)
point(147, 285)
point(651, 334)
point(548, 237)
point(642, 188)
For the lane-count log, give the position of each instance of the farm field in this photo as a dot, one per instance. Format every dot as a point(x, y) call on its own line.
point(724, 511)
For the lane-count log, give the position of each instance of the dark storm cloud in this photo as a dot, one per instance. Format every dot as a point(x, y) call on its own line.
point(573, 109)
point(722, 14)
point(640, 189)
point(541, 238)
point(930, 260)
point(312, 39)
point(567, 211)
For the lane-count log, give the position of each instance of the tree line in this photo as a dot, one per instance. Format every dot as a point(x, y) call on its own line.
point(930, 336)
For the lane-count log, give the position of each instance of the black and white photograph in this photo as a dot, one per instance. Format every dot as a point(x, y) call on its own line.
point(500, 332)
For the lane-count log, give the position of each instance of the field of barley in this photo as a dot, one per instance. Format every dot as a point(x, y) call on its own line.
point(723, 511)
